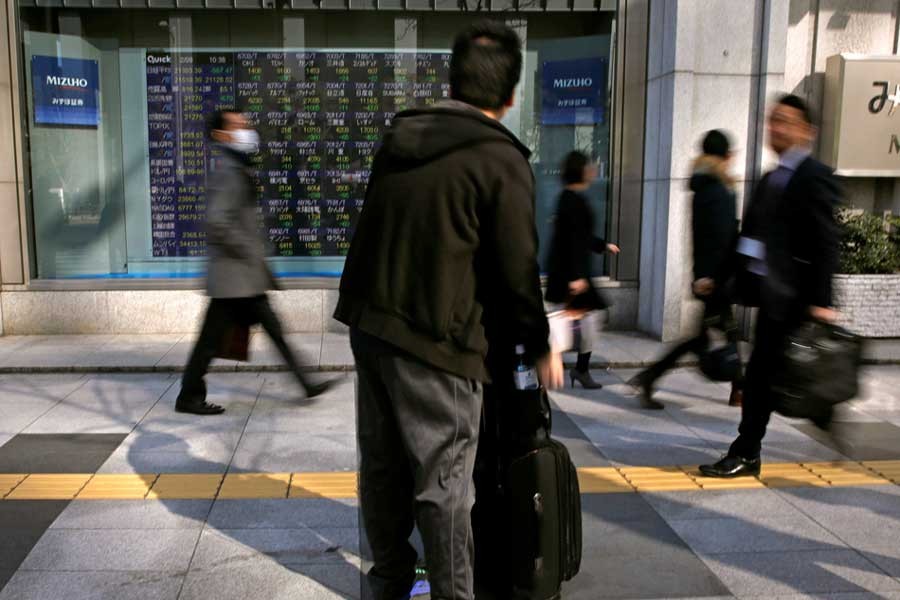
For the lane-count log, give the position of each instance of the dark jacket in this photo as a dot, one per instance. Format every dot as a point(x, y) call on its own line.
point(569, 258)
point(445, 253)
point(236, 247)
point(798, 227)
point(714, 223)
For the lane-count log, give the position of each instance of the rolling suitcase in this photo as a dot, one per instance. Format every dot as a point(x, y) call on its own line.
point(527, 514)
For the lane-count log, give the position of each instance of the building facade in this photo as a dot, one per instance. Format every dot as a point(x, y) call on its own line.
point(101, 134)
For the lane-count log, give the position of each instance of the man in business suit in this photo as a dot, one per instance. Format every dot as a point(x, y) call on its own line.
point(786, 256)
point(237, 274)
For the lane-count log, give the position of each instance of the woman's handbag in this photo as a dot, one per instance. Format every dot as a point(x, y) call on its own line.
point(235, 343)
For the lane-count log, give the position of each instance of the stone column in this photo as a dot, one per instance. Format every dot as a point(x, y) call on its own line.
point(711, 65)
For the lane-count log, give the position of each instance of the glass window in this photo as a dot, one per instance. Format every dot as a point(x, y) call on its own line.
point(117, 101)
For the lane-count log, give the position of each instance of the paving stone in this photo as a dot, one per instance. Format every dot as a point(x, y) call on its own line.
point(745, 504)
point(113, 550)
point(616, 508)
point(819, 571)
point(651, 455)
point(265, 452)
point(722, 535)
point(57, 453)
point(125, 461)
point(134, 514)
point(284, 514)
point(262, 577)
point(96, 585)
point(837, 505)
point(287, 546)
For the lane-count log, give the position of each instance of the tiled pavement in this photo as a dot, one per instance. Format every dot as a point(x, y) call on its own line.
point(769, 542)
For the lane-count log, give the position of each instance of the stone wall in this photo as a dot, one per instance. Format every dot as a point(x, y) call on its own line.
point(181, 311)
point(869, 304)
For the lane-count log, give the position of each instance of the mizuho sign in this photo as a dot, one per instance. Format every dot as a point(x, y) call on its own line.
point(861, 115)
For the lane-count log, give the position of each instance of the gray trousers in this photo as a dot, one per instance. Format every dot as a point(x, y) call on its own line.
point(418, 432)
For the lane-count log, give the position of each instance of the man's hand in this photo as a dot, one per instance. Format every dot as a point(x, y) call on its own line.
point(826, 315)
point(613, 248)
point(550, 370)
point(578, 287)
point(704, 286)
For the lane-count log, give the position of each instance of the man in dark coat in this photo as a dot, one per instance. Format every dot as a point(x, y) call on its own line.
point(443, 260)
point(237, 276)
point(788, 252)
point(714, 229)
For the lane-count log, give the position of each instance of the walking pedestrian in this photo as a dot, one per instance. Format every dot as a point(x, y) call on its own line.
point(237, 274)
point(714, 227)
point(569, 265)
point(788, 252)
point(444, 256)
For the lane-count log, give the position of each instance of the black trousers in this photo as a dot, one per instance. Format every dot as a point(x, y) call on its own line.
point(221, 313)
point(417, 428)
point(715, 314)
point(768, 352)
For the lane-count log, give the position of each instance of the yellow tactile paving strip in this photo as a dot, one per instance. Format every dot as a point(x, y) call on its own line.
point(593, 480)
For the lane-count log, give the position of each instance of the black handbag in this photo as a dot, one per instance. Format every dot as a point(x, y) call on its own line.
point(820, 368)
point(722, 363)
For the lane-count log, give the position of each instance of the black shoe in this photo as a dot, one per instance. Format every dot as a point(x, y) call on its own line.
point(317, 389)
point(732, 466)
point(198, 407)
point(585, 379)
point(645, 387)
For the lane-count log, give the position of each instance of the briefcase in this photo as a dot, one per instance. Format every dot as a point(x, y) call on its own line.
point(820, 369)
point(235, 343)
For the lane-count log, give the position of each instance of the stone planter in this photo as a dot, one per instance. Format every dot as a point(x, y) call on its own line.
point(869, 304)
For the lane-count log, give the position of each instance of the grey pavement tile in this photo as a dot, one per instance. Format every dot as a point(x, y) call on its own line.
point(819, 571)
point(192, 443)
point(838, 596)
point(617, 508)
point(134, 514)
point(5, 575)
point(615, 552)
point(98, 585)
point(807, 451)
point(663, 455)
point(57, 453)
point(30, 514)
point(284, 513)
point(262, 577)
point(846, 504)
point(749, 504)
point(640, 346)
point(268, 452)
point(137, 351)
point(44, 388)
point(113, 550)
point(15, 545)
point(125, 461)
point(16, 416)
point(288, 547)
point(859, 440)
point(5, 438)
point(734, 534)
point(648, 430)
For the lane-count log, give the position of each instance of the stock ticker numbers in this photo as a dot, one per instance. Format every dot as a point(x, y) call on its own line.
point(320, 117)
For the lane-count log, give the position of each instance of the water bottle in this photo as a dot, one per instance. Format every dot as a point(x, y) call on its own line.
point(525, 375)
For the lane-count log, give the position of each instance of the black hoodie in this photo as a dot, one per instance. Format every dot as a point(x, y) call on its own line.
point(445, 253)
point(714, 219)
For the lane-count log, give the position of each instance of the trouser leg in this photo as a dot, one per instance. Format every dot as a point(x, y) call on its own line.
point(218, 315)
point(266, 317)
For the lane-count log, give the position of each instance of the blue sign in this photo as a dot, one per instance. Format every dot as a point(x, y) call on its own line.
point(66, 91)
point(573, 92)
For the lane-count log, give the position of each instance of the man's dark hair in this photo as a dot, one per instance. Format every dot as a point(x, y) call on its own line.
point(800, 104)
point(716, 143)
point(216, 120)
point(486, 65)
point(573, 167)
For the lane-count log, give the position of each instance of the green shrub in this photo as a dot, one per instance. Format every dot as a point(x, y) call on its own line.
point(870, 244)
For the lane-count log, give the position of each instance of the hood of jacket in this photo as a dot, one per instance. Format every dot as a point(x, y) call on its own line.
point(708, 169)
point(423, 135)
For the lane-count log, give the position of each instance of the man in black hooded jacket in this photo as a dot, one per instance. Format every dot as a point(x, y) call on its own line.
point(443, 261)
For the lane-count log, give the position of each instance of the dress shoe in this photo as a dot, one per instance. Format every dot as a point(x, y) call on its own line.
point(644, 385)
point(732, 466)
point(585, 379)
point(737, 397)
point(197, 406)
point(317, 389)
